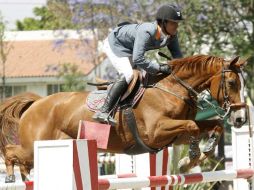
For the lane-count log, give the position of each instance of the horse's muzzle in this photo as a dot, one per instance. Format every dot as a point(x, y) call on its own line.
point(238, 115)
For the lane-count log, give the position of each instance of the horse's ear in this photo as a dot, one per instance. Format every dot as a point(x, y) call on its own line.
point(234, 61)
point(243, 62)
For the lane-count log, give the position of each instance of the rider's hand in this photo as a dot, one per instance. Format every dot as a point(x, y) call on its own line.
point(165, 69)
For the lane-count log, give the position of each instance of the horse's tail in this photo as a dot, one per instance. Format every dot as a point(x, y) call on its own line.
point(11, 110)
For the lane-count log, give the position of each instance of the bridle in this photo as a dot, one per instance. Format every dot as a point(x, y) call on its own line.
point(223, 88)
point(226, 107)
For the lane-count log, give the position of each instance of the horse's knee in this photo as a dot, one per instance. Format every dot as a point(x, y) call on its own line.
point(192, 128)
point(219, 129)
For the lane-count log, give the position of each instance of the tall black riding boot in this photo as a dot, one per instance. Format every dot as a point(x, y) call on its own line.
point(115, 92)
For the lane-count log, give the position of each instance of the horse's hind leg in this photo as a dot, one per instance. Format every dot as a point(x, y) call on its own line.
point(25, 172)
point(15, 154)
point(10, 177)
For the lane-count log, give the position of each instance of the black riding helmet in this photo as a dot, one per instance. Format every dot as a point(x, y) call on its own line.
point(169, 12)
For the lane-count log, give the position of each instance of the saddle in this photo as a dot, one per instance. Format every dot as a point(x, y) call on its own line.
point(135, 90)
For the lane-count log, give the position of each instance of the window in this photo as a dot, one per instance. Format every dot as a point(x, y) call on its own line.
point(8, 91)
point(18, 89)
point(13, 90)
point(54, 88)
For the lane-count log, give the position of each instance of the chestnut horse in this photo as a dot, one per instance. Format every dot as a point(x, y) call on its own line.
point(164, 115)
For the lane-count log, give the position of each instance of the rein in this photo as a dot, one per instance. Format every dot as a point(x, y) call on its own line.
point(187, 86)
point(222, 87)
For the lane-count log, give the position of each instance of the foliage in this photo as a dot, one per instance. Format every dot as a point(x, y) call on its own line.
point(210, 26)
point(210, 164)
point(224, 28)
point(218, 27)
point(47, 19)
point(72, 77)
point(107, 168)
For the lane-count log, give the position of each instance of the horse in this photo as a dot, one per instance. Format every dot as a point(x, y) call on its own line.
point(165, 114)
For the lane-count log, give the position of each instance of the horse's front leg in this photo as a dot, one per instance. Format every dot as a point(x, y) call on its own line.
point(186, 163)
point(182, 132)
point(216, 126)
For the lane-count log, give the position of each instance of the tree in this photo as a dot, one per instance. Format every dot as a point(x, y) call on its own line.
point(73, 79)
point(5, 48)
point(243, 42)
point(224, 28)
point(46, 19)
point(217, 27)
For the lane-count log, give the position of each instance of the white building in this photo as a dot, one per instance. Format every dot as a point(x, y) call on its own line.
point(34, 58)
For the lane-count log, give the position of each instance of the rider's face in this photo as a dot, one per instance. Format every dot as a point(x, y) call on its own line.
point(171, 27)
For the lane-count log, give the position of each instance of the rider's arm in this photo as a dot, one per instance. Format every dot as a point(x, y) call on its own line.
point(174, 48)
point(142, 40)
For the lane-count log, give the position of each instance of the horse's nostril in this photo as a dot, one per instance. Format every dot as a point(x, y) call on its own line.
point(238, 120)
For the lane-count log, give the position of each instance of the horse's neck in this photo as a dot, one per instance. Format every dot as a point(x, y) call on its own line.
point(154, 79)
point(195, 81)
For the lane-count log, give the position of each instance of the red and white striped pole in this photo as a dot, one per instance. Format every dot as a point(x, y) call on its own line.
point(171, 180)
point(124, 182)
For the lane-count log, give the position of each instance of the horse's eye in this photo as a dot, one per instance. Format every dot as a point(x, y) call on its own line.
point(231, 83)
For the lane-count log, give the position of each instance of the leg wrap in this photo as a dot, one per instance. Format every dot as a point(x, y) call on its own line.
point(194, 150)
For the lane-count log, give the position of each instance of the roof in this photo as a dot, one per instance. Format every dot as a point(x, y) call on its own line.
point(41, 57)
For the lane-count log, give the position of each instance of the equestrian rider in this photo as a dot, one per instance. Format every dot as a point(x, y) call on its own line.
point(126, 45)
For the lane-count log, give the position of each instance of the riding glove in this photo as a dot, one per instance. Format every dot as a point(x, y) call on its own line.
point(165, 69)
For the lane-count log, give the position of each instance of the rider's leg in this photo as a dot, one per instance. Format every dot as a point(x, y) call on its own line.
point(115, 92)
point(124, 68)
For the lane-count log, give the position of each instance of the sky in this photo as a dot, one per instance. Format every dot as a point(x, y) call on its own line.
point(13, 10)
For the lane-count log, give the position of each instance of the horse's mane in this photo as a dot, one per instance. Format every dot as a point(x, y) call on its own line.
point(198, 63)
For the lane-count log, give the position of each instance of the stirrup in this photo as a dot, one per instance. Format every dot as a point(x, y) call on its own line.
point(104, 118)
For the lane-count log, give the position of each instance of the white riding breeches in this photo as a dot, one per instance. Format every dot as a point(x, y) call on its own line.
point(121, 64)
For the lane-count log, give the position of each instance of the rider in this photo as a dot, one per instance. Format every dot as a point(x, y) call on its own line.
point(126, 45)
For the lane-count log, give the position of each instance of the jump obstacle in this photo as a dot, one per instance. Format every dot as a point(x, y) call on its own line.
point(79, 170)
point(72, 164)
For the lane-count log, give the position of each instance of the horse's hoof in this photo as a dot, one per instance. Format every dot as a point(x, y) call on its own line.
point(210, 146)
point(183, 165)
point(10, 179)
point(25, 178)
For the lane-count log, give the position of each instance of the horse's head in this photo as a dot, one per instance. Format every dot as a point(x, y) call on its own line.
point(227, 87)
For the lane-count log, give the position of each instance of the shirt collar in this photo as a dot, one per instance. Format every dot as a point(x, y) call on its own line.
point(162, 34)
